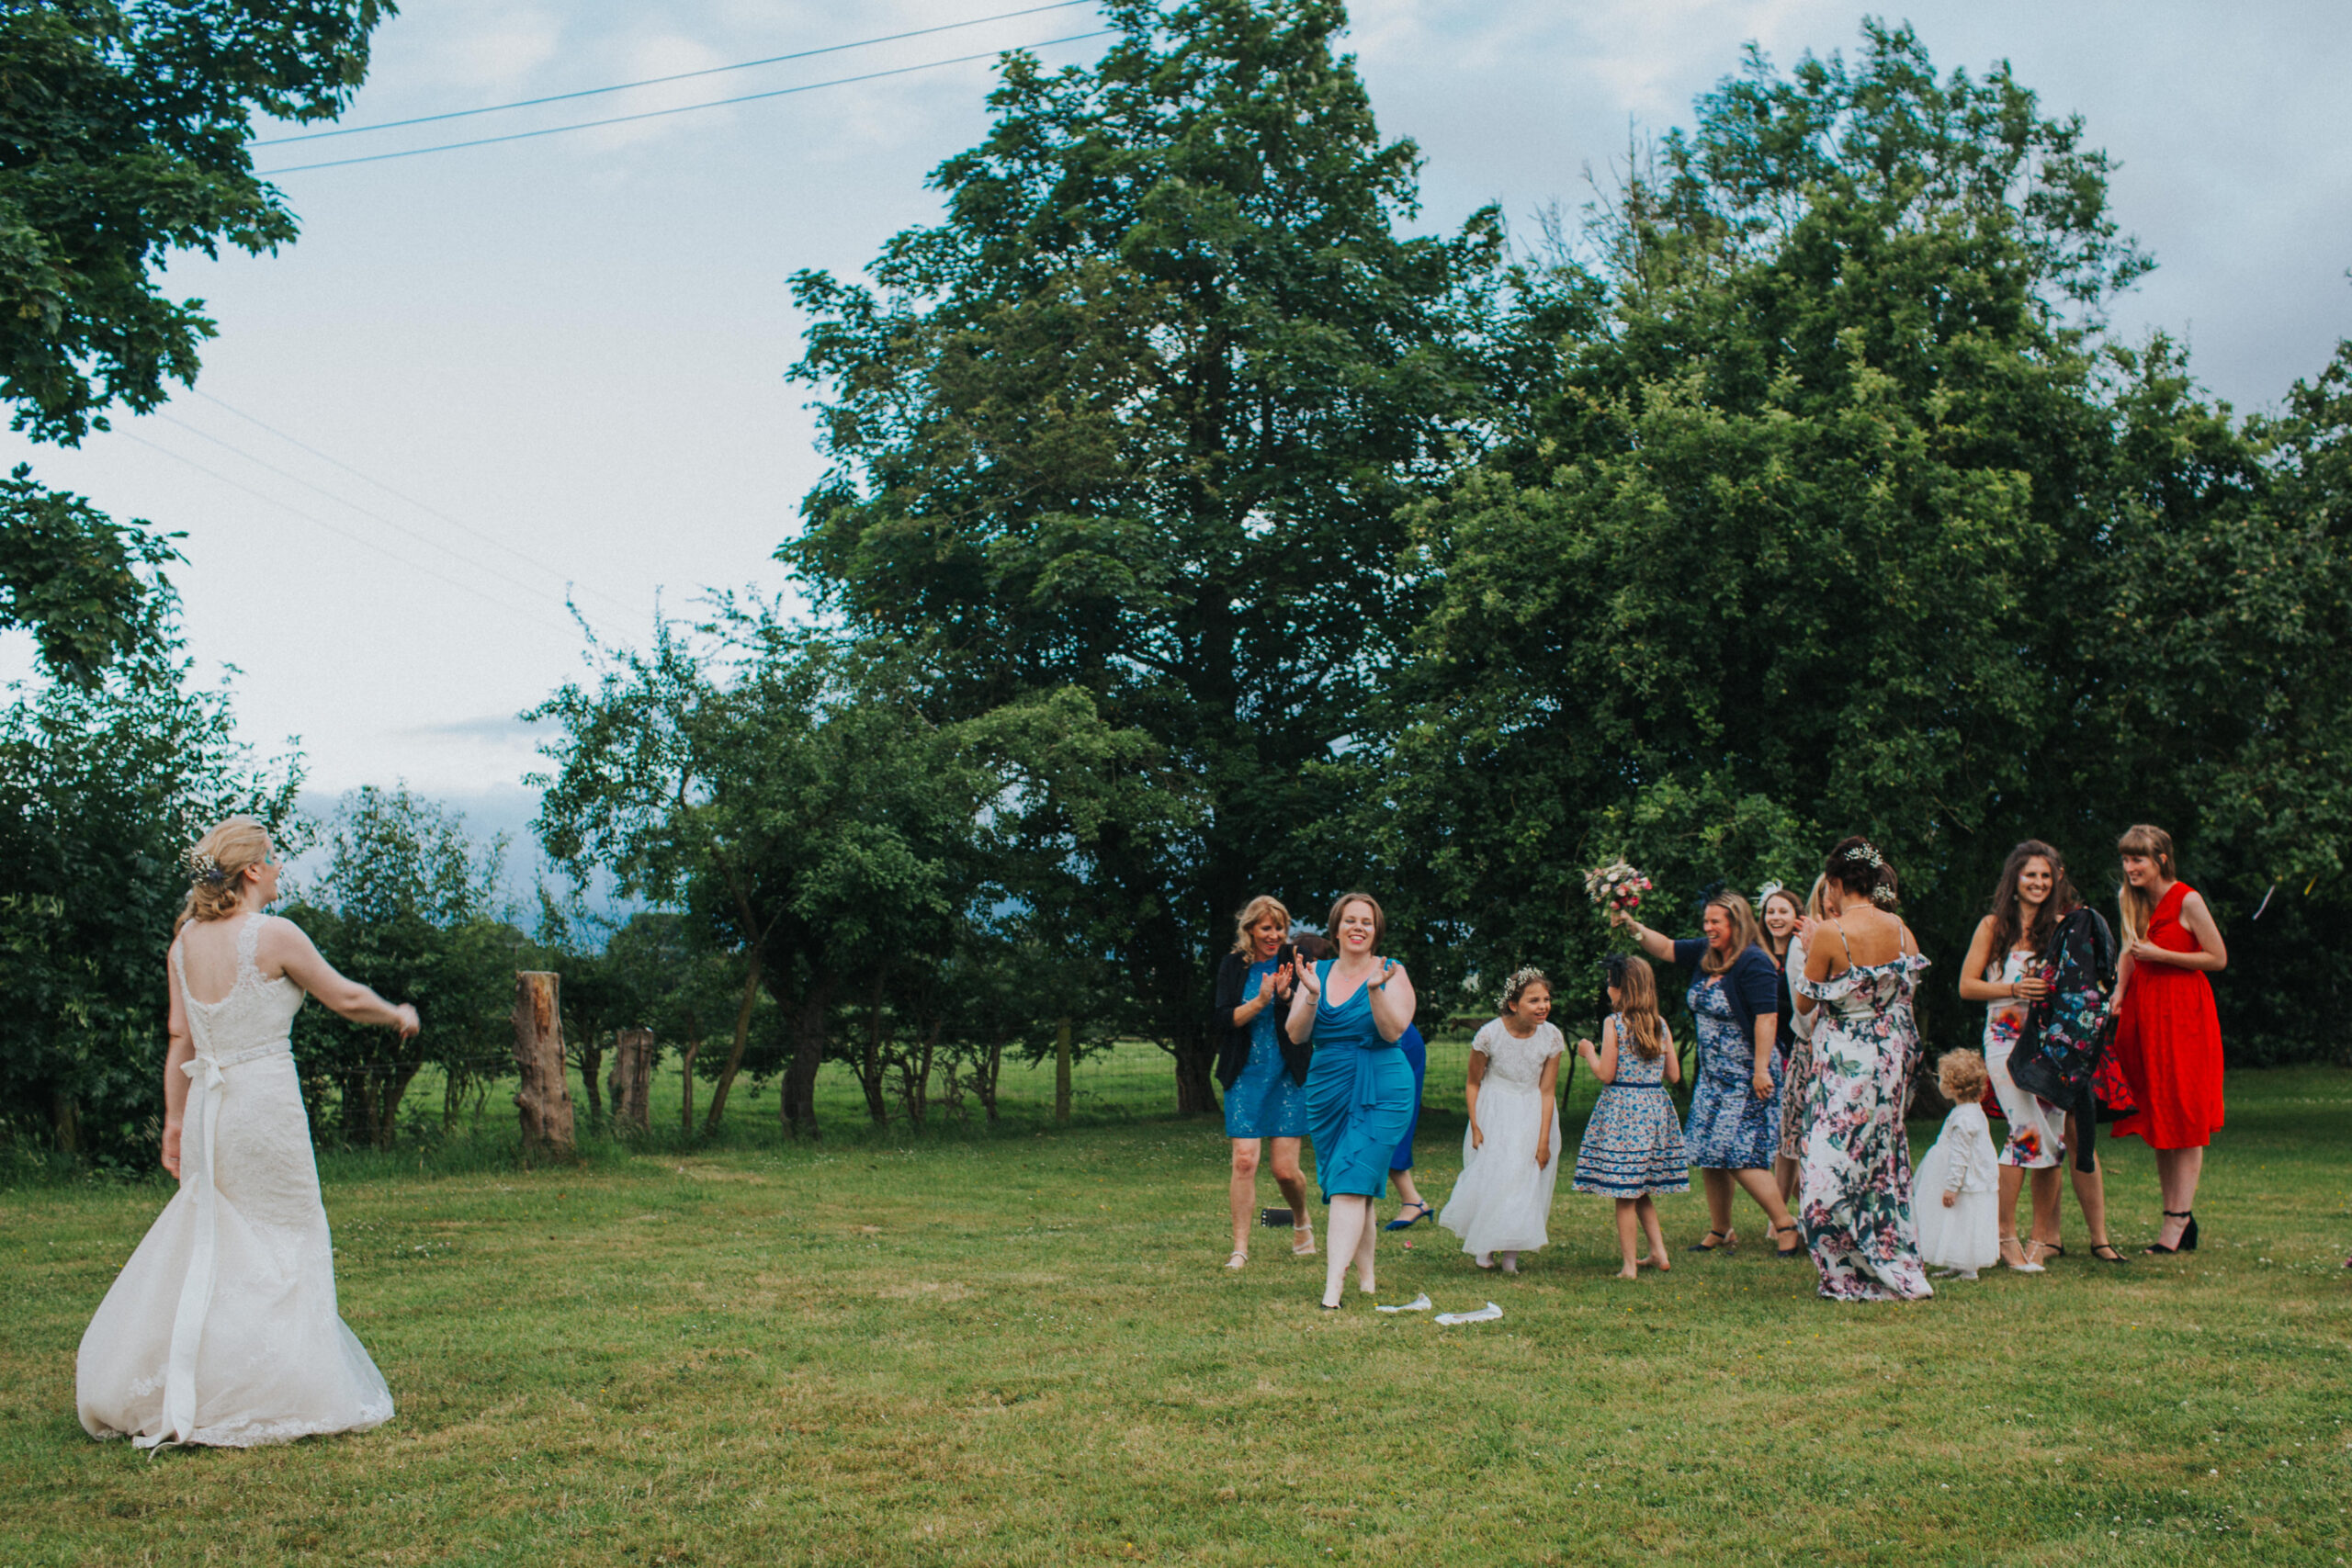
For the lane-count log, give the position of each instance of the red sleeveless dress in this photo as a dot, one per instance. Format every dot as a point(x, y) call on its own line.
point(2168, 1042)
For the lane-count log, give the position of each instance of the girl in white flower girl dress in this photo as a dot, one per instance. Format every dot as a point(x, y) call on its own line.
point(1511, 1155)
point(1955, 1190)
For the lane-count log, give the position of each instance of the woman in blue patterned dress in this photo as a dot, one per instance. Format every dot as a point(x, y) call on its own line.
point(1354, 1009)
point(1735, 1128)
point(1854, 1182)
point(1262, 1074)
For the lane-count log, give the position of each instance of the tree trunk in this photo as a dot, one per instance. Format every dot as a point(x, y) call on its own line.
point(991, 1066)
point(807, 1056)
point(735, 1053)
point(544, 1098)
point(1196, 1075)
point(632, 1082)
point(869, 1069)
point(591, 1058)
point(65, 1122)
point(1061, 1071)
point(397, 1078)
point(687, 1087)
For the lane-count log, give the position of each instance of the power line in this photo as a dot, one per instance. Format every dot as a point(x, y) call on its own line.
point(658, 81)
point(343, 501)
point(345, 532)
point(429, 510)
point(684, 108)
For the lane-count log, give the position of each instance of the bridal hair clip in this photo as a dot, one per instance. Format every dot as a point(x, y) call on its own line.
point(1882, 893)
point(1765, 892)
point(202, 867)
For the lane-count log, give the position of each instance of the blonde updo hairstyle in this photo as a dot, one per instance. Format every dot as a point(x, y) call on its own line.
point(216, 864)
point(1962, 1075)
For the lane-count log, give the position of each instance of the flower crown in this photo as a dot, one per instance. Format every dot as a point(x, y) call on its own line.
point(1514, 987)
point(202, 869)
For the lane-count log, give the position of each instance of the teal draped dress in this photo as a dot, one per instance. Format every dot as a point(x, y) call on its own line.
point(1359, 1094)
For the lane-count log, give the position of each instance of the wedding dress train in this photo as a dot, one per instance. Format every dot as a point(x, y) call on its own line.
point(222, 1328)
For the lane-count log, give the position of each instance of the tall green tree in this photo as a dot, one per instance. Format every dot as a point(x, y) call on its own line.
point(125, 132)
point(1846, 515)
point(1137, 419)
point(102, 790)
point(408, 905)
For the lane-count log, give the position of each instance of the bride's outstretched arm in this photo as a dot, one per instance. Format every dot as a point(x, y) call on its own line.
point(292, 948)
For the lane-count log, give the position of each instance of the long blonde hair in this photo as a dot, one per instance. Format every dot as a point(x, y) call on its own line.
point(1814, 908)
point(2138, 908)
point(1252, 912)
point(1745, 932)
point(1637, 987)
point(216, 866)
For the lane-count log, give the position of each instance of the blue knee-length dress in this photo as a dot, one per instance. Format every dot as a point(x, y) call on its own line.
point(1417, 1057)
point(1265, 1102)
point(1729, 1129)
point(1359, 1094)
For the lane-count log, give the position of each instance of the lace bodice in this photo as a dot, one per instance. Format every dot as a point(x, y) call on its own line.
point(255, 1018)
point(1514, 1060)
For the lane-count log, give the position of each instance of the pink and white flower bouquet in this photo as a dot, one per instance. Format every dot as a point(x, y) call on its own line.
point(1616, 886)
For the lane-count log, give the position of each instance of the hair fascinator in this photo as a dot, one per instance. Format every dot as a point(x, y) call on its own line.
point(203, 869)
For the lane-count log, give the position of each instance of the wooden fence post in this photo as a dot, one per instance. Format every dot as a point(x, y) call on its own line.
point(544, 1098)
point(1061, 1071)
point(631, 1082)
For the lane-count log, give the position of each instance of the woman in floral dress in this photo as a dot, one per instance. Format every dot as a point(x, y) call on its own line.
point(1854, 1180)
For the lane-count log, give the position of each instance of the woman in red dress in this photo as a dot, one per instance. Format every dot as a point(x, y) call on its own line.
point(2167, 1039)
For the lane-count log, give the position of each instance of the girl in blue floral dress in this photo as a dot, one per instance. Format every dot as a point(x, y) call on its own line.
point(1633, 1145)
point(1854, 1180)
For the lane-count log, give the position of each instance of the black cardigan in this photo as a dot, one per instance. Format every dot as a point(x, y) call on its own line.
point(1233, 1040)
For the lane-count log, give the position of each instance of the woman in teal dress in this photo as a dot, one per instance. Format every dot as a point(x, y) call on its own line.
point(1354, 1009)
point(1263, 1073)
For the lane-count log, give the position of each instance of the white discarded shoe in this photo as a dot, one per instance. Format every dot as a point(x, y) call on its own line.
point(1486, 1313)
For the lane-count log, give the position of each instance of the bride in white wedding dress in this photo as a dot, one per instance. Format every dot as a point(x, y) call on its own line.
point(222, 1328)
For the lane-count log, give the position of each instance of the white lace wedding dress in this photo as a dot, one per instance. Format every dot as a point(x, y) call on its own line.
point(223, 1327)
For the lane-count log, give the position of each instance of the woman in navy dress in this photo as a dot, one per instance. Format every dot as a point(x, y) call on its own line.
point(1360, 1093)
point(1734, 1128)
point(1262, 1074)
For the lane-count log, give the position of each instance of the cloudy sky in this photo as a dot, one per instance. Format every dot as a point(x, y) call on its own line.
point(487, 378)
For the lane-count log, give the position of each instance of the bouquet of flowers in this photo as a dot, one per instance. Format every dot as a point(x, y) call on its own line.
point(1616, 886)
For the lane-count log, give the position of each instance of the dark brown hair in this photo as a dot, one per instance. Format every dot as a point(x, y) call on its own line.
point(2006, 922)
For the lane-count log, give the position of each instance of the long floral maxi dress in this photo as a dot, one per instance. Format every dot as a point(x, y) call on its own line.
point(1854, 1182)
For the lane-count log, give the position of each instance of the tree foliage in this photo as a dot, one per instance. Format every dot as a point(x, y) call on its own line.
point(1845, 516)
point(124, 138)
point(407, 905)
point(102, 789)
point(1136, 419)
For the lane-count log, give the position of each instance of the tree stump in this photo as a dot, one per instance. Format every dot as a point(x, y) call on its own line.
point(544, 1099)
point(631, 1083)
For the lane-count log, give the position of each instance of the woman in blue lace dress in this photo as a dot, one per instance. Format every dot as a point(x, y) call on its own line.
point(1854, 1180)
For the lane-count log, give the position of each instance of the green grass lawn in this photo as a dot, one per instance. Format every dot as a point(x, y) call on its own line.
point(1017, 1345)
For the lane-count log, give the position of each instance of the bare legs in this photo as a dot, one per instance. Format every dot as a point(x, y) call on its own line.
point(2177, 1174)
point(1406, 1192)
point(1352, 1233)
point(1757, 1184)
point(2045, 1209)
point(1637, 1217)
point(1244, 1186)
point(1784, 1175)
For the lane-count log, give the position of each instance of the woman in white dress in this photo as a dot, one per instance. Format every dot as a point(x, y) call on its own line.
point(222, 1328)
point(1510, 1152)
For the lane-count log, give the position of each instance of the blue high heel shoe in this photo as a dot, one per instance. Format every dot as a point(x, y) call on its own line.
point(1402, 1223)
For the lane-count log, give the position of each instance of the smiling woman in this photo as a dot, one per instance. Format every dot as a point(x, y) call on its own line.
point(1360, 1093)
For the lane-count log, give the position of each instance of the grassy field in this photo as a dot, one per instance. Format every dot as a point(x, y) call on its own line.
point(1017, 1346)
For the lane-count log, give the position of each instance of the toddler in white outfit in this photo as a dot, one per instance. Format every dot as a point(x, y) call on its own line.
point(1955, 1192)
